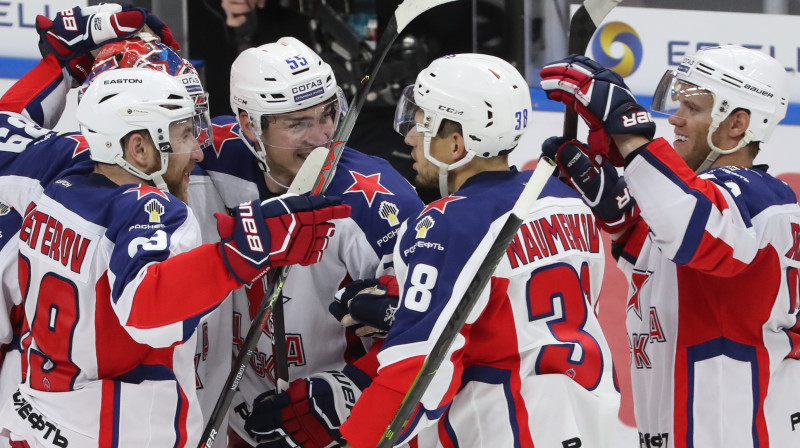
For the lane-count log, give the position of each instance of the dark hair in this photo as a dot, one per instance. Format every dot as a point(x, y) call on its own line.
point(447, 127)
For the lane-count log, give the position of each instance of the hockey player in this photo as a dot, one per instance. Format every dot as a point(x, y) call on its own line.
point(66, 63)
point(286, 102)
point(532, 339)
point(712, 259)
point(107, 328)
point(366, 241)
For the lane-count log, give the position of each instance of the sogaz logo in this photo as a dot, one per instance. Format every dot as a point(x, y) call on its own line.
point(609, 40)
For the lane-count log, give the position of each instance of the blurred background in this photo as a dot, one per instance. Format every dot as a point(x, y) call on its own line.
point(640, 39)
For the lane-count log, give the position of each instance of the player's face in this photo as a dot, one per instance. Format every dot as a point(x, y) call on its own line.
point(185, 153)
point(427, 172)
point(691, 122)
point(291, 137)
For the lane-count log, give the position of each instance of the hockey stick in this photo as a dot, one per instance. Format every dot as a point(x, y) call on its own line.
point(302, 183)
point(581, 28)
point(403, 15)
point(462, 310)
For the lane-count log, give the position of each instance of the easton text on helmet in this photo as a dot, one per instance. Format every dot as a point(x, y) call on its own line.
point(123, 81)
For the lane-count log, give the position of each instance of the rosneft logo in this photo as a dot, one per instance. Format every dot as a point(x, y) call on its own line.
point(626, 37)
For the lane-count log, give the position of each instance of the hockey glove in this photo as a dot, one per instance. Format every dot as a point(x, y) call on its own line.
point(308, 414)
point(601, 187)
point(367, 307)
point(601, 98)
point(286, 230)
point(74, 33)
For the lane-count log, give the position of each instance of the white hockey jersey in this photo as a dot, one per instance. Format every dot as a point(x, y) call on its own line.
point(713, 305)
point(361, 247)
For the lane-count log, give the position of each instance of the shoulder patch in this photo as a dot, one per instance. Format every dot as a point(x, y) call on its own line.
point(440, 205)
point(144, 190)
point(368, 185)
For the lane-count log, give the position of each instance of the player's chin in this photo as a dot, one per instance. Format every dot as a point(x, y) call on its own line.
point(180, 187)
point(424, 181)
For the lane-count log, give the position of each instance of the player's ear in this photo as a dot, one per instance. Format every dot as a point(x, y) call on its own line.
point(244, 123)
point(459, 151)
point(137, 149)
point(740, 121)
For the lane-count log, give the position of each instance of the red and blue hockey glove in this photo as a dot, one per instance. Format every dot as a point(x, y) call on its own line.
point(367, 306)
point(601, 187)
point(289, 229)
point(308, 414)
point(74, 33)
point(601, 98)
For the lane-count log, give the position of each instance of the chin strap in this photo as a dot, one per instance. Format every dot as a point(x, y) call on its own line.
point(261, 156)
point(716, 152)
point(156, 177)
point(444, 169)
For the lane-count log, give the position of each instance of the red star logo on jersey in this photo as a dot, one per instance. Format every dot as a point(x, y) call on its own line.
point(81, 145)
point(223, 134)
point(637, 281)
point(143, 190)
point(369, 186)
point(440, 204)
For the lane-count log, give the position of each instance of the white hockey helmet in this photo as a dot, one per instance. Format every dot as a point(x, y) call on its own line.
point(120, 101)
point(280, 78)
point(736, 78)
point(138, 53)
point(486, 95)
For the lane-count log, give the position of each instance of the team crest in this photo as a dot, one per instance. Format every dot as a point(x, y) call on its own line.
point(388, 211)
point(154, 210)
point(638, 280)
point(423, 226)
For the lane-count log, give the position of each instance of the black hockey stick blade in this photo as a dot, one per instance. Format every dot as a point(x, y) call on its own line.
point(462, 310)
point(302, 183)
point(581, 29)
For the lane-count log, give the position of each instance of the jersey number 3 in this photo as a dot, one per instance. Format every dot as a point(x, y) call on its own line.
point(557, 296)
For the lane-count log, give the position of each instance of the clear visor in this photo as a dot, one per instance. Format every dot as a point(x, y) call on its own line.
point(408, 117)
point(185, 134)
point(305, 129)
point(678, 98)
